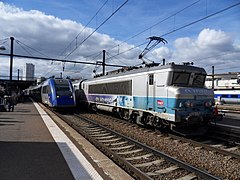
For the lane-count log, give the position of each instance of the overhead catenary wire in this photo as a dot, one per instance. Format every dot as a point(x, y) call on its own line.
point(174, 14)
point(33, 49)
point(23, 48)
point(96, 29)
point(110, 55)
point(3, 42)
point(5, 39)
point(94, 57)
point(184, 26)
point(201, 19)
point(141, 32)
point(84, 27)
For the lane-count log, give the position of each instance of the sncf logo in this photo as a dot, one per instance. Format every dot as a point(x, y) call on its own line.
point(160, 102)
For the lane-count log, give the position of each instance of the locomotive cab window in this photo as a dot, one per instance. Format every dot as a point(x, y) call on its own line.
point(199, 80)
point(150, 79)
point(63, 90)
point(180, 78)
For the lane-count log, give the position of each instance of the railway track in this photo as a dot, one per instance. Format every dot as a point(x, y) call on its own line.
point(221, 141)
point(217, 165)
point(138, 159)
point(199, 154)
point(212, 144)
point(226, 132)
point(233, 108)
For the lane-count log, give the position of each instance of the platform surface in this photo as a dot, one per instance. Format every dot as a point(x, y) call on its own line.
point(30, 150)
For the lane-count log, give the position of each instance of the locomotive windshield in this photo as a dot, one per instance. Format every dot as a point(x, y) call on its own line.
point(62, 88)
point(180, 78)
point(198, 80)
point(185, 79)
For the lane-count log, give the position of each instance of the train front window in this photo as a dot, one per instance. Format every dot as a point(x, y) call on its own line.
point(199, 80)
point(63, 90)
point(180, 78)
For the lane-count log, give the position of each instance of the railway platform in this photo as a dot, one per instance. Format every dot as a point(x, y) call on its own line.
point(35, 146)
point(231, 116)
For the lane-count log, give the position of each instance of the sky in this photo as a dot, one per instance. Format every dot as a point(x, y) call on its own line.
point(205, 32)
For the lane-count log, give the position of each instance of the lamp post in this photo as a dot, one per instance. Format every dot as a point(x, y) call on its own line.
point(2, 48)
point(11, 57)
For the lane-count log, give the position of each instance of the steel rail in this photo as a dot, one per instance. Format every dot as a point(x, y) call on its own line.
point(199, 144)
point(179, 163)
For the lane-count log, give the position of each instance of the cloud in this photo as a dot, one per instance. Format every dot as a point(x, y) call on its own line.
point(210, 48)
point(50, 36)
point(214, 39)
point(162, 53)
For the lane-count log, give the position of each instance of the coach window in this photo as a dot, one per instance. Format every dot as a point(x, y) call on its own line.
point(48, 89)
point(151, 79)
point(44, 89)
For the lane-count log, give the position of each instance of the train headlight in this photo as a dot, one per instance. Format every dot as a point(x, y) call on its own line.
point(57, 96)
point(208, 104)
point(189, 104)
point(192, 105)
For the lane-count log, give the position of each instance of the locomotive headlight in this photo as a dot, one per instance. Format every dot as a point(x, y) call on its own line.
point(57, 96)
point(208, 104)
point(192, 104)
point(189, 104)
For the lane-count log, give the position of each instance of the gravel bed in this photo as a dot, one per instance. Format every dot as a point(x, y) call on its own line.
point(217, 164)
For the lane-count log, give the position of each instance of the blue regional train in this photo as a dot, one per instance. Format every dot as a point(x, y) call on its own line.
point(56, 93)
point(171, 96)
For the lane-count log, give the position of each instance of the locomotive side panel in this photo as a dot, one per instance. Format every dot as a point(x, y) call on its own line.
point(140, 91)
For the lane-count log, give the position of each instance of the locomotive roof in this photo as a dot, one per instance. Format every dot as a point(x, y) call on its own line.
point(150, 69)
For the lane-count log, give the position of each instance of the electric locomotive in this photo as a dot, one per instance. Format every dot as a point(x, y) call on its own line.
point(58, 93)
point(169, 96)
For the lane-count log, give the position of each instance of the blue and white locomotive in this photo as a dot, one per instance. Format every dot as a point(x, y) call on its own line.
point(162, 96)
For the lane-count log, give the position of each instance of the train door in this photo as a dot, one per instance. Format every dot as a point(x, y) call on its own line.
point(150, 92)
point(46, 97)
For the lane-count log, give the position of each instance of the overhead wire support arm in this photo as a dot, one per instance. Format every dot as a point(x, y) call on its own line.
point(149, 48)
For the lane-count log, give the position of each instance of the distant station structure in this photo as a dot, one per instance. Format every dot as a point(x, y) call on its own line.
point(223, 81)
point(226, 87)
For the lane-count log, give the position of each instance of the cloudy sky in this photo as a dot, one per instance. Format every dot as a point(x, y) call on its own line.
point(201, 31)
